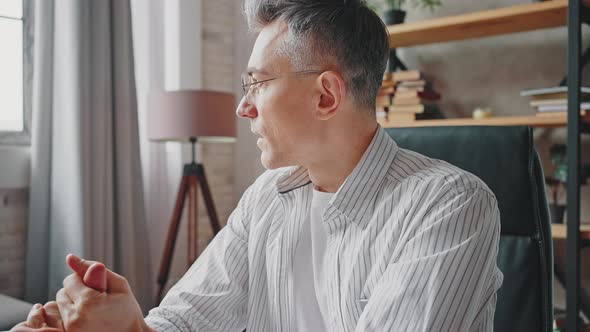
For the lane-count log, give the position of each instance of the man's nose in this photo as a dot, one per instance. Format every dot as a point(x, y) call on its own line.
point(246, 109)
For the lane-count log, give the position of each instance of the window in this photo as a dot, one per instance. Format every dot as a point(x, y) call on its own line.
point(15, 71)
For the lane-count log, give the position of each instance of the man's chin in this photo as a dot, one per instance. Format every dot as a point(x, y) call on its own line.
point(271, 163)
point(268, 164)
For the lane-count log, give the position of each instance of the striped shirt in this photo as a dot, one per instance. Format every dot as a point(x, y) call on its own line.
point(412, 246)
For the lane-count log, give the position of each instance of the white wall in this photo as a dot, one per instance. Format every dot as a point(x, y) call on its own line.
point(14, 166)
point(247, 166)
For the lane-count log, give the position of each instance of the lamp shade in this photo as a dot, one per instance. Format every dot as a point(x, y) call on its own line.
point(180, 115)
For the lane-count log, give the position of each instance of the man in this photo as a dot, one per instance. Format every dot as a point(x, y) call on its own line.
point(345, 231)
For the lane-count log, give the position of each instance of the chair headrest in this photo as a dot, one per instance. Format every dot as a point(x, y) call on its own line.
point(503, 157)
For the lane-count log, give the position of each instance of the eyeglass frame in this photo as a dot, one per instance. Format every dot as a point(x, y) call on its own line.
point(246, 87)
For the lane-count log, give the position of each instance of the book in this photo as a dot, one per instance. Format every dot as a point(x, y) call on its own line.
point(406, 75)
point(383, 101)
point(545, 102)
point(410, 84)
point(386, 91)
point(401, 117)
point(424, 95)
point(418, 89)
point(556, 89)
point(408, 88)
point(406, 109)
point(583, 113)
point(405, 101)
point(557, 95)
point(562, 107)
point(381, 114)
point(430, 112)
point(410, 101)
point(387, 84)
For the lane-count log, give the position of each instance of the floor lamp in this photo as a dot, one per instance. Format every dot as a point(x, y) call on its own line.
point(189, 116)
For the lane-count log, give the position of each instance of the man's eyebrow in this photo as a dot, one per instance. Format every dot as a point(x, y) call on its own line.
point(254, 70)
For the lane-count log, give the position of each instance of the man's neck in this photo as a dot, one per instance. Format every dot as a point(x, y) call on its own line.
point(340, 157)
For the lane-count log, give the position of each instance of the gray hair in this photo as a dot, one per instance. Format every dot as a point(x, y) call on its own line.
point(344, 35)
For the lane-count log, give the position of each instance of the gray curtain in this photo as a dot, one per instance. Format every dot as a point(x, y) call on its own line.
point(86, 190)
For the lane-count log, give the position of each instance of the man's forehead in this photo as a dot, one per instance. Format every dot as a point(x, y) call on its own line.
point(264, 56)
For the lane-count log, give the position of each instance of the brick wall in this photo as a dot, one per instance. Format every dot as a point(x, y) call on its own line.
point(218, 74)
point(13, 221)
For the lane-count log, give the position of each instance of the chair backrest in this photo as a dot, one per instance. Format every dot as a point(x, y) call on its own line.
point(506, 160)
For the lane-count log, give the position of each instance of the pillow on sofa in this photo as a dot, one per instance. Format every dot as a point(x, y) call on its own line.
point(12, 312)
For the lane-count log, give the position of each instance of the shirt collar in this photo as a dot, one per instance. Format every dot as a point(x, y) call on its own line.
point(356, 196)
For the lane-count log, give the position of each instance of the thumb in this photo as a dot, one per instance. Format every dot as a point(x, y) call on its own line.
point(96, 277)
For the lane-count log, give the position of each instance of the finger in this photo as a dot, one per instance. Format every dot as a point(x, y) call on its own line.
point(102, 278)
point(64, 302)
point(117, 283)
point(76, 289)
point(78, 265)
point(65, 305)
point(96, 277)
point(36, 317)
point(22, 327)
point(52, 315)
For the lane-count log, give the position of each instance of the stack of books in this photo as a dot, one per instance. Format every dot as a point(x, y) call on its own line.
point(407, 96)
point(553, 101)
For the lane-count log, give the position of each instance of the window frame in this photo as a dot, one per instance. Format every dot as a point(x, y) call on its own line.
point(24, 137)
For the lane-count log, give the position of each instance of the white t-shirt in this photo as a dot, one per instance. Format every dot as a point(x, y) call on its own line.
point(307, 265)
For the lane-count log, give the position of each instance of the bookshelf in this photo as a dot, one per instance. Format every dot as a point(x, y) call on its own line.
point(553, 121)
point(520, 18)
point(513, 19)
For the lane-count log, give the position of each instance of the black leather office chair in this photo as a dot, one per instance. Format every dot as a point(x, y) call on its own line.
point(506, 160)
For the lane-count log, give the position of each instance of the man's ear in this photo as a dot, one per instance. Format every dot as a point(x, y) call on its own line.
point(331, 94)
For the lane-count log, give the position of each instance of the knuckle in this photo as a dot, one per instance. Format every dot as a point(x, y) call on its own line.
point(61, 297)
point(51, 307)
point(50, 304)
point(87, 294)
point(34, 317)
point(75, 322)
point(68, 280)
point(35, 310)
point(84, 304)
point(126, 284)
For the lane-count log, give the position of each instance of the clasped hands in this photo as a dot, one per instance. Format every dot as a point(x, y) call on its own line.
point(93, 299)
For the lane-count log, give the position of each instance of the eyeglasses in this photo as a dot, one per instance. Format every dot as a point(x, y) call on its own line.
point(250, 84)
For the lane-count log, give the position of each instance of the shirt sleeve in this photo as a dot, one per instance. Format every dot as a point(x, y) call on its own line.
point(445, 278)
point(212, 295)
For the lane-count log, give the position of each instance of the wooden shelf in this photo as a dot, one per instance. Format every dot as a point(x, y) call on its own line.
point(527, 17)
point(559, 231)
point(530, 120)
